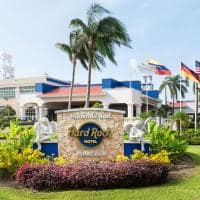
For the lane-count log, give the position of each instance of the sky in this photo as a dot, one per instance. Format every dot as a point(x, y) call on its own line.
point(167, 31)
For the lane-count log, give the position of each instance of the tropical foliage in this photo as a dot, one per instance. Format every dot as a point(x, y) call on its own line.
point(145, 115)
point(164, 111)
point(163, 138)
point(7, 114)
point(191, 135)
point(7, 111)
point(99, 36)
point(181, 119)
point(174, 84)
point(75, 52)
point(16, 148)
point(162, 157)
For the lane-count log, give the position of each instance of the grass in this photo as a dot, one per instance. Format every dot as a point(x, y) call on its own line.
point(185, 189)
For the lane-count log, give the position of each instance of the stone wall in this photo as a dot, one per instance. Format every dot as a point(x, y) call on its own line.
point(71, 148)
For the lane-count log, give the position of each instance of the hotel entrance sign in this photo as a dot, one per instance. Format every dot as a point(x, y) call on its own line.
point(94, 134)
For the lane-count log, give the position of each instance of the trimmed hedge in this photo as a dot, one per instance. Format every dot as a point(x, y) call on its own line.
point(102, 175)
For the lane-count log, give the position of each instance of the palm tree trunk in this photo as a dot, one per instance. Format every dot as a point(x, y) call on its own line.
point(173, 104)
point(87, 102)
point(72, 84)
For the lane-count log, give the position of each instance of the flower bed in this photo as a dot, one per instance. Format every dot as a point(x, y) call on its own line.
point(100, 175)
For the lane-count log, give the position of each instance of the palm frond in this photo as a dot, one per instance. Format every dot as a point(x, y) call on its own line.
point(163, 85)
point(78, 23)
point(114, 29)
point(94, 12)
point(65, 48)
point(83, 63)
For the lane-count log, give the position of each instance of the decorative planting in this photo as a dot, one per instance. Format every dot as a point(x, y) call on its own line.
point(92, 175)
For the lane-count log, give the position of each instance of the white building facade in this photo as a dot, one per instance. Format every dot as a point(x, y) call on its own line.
point(35, 97)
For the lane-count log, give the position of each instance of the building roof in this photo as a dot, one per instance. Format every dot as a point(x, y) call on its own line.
point(178, 104)
point(77, 91)
point(31, 81)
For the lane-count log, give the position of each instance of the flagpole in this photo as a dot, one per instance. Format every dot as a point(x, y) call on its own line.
point(196, 106)
point(131, 98)
point(196, 94)
point(180, 103)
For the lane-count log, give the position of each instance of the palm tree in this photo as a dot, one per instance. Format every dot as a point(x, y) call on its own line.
point(163, 111)
point(196, 90)
point(181, 119)
point(175, 84)
point(75, 52)
point(99, 36)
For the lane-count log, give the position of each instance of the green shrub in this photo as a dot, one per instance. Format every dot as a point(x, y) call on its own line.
point(7, 111)
point(97, 105)
point(163, 138)
point(192, 136)
point(145, 115)
point(13, 149)
point(194, 140)
point(11, 159)
point(181, 119)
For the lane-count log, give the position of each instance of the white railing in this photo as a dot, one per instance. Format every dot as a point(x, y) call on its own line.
point(130, 120)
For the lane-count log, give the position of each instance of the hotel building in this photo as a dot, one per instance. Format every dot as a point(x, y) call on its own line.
point(35, 97)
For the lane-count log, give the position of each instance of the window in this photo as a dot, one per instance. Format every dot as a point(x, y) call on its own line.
point(7, 93)
point(27, 89)
point(30, 113)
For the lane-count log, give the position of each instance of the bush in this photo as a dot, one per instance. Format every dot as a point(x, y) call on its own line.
point(162, 157)
point(121, 157)
point(163, 138)
point(195, 140)
point(8, 161)
point(7, 111)
point(92, 175)
point(11, 159)
point(16, 149)
point(192, 136)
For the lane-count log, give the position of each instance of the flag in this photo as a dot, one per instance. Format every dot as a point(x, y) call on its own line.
point(197, 66)
point(188, 73)
point(145, 69)
point(160, 69)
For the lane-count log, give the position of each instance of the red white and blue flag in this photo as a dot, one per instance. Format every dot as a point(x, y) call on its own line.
point(197, 67)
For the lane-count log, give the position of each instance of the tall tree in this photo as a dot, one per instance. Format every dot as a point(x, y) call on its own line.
point(99, 36)
point(175, 84)
point(75, 52)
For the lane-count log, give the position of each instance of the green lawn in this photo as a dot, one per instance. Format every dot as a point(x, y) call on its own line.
point(186, 189)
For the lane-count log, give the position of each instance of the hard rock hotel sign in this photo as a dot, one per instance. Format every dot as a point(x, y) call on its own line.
point(94, 134)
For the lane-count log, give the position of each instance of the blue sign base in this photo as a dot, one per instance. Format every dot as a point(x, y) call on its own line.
point(51, 149)
point(130, 147)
